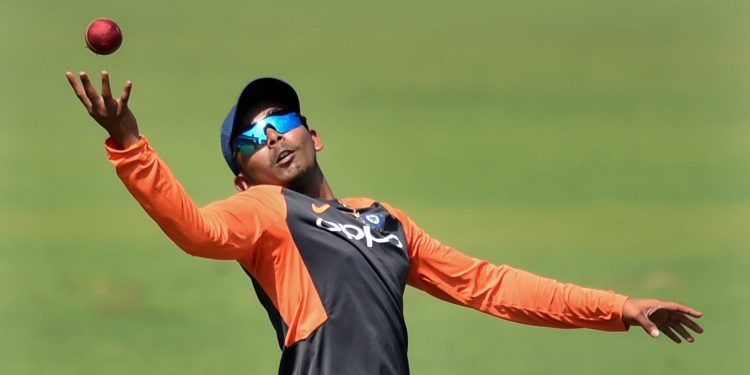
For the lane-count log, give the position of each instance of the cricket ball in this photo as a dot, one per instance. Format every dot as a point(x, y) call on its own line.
point(103, 36)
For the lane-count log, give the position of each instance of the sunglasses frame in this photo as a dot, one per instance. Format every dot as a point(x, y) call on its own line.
point(255, 137)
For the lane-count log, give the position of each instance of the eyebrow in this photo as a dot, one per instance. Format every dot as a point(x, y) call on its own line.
point(277, 111)
point(247, 120)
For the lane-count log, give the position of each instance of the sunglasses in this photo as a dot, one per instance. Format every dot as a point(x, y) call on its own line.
point(255, 137)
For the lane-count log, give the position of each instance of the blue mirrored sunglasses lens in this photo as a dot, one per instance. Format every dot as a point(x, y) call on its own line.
point(282, 123)
point(248, 148)
point(255, 137)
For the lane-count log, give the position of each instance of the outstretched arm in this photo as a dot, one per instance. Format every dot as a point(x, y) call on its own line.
point(227, 229)
point(523, 297)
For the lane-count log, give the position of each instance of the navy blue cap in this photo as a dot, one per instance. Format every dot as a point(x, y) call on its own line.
point(259, 90)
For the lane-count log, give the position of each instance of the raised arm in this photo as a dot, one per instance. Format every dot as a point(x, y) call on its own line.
point(226, 229)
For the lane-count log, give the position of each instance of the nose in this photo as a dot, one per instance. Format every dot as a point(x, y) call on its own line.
point(273, 136)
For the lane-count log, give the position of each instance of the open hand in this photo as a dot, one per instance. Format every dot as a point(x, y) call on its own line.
point(112, 114)
point(655, 315)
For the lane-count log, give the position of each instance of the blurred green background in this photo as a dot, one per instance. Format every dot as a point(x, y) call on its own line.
point(598, 142)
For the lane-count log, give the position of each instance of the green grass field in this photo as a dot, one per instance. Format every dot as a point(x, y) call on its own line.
point(604, 143)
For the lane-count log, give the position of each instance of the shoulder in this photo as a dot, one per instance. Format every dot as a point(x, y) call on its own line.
point(263, 189)
point(268, 197)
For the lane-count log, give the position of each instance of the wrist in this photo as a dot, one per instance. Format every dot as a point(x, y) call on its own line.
point(124, 141)
point(114, 148)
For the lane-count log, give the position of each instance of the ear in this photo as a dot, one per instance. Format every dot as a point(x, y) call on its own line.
point(317, 141)
point(241, 183)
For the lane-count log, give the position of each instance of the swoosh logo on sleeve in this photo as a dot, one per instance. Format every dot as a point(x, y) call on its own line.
point(320, 209)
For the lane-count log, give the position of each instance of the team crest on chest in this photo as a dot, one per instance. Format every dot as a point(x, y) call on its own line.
point(375, 221)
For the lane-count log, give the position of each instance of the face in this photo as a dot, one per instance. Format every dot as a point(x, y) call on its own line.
point(286, 160)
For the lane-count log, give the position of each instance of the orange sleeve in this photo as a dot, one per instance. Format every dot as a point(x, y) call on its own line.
point(226, 229)
point(504, 291)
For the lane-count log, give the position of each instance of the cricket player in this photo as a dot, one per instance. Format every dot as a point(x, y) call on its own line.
point(331, 271)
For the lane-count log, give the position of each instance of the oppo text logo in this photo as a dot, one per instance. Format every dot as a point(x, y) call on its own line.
point(353, 232)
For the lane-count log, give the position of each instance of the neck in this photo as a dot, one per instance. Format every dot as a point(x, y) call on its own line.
point(313, 184)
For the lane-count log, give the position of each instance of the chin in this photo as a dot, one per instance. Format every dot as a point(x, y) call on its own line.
point(299, 179)
point(288, 176)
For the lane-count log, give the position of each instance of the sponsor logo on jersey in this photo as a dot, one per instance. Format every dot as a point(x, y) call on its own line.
point(354, 232)
point(320, 209)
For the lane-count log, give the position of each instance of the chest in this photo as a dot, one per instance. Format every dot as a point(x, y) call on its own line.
point(345, 245)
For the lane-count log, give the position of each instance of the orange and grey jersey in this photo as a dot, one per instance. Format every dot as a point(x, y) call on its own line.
point(331, 274)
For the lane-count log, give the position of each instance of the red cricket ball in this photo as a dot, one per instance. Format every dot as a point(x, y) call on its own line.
point(103, 36)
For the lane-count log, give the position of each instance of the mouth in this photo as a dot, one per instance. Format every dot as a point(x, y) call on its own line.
point(285, 157)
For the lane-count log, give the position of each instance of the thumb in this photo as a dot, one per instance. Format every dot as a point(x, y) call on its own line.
point(647, 325)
